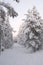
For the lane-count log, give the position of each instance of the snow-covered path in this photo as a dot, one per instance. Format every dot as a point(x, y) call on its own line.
point(19, 56)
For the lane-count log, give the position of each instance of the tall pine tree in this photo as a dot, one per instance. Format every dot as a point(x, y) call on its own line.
point(6, 38)
point(30, 31)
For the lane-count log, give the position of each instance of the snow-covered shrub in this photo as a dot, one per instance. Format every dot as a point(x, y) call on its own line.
point(30, 31)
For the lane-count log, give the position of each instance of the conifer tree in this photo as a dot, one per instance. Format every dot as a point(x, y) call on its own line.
point(30, 31)
point(6, 39)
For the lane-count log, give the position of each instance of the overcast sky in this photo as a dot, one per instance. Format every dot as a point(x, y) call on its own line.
point(22, 8)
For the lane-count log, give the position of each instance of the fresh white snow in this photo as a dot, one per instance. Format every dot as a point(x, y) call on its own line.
point(19, 55)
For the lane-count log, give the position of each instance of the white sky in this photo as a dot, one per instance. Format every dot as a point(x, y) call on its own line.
point(22, 8)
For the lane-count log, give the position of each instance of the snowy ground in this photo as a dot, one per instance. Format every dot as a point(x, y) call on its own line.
point(19, 56)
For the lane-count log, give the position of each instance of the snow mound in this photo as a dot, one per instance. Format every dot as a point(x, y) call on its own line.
point(17, 56)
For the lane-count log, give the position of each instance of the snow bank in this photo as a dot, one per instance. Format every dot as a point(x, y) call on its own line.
point(19, 56)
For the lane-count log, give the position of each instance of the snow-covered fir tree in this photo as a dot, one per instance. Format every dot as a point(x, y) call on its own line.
point(30, 31)
point(6, 38)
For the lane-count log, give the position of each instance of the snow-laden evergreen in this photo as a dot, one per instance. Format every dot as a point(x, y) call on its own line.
point(6, 37)
point(30, 32)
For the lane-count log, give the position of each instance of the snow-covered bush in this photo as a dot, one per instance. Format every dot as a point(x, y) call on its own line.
point(31, 30)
